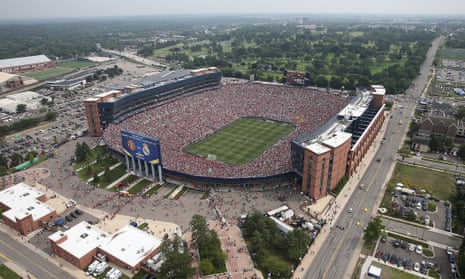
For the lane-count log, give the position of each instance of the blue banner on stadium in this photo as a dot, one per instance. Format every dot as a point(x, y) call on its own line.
point(141, 147)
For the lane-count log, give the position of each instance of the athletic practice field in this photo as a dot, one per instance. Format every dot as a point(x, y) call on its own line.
point(242, 141)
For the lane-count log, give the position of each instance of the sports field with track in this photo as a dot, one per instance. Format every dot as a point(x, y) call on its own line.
point(242, 141)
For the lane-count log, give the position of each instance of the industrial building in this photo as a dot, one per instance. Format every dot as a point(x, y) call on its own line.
point(26, 64)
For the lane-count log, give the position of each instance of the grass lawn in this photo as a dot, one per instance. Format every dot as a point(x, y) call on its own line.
point(112, 175)
point(242, 141)
point(76, 64)
point(96, 152)
point(139, 186)
point(50, 73)
point(453, 53)
point(7, 273)
point(436, 183)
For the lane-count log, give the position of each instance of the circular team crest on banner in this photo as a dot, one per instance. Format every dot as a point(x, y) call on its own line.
point(131, 145)
point(146, 149)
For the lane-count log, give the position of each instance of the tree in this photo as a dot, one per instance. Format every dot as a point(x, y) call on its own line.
point(82, 152)
point(199, 228)
point(16, 159)
point(44, 101)
point(177, 264)
point(20, 108)
point(51, 115)
point(374, 229)
point(461, 152)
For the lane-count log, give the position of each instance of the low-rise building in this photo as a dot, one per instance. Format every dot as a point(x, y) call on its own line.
point(128, 248)
point(24, 208)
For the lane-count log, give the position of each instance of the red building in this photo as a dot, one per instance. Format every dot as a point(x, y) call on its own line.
point(24, 208)
point(26, 64)
point(322, 158)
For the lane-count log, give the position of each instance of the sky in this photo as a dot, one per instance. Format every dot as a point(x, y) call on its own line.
point(42, 9)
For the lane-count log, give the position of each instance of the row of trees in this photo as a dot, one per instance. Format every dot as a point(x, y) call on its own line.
point(266, 242)
point(212, 257)
point(27, 123)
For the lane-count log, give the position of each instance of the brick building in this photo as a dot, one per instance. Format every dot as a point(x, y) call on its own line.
point(128, 248)
point(322, 158)
point(26, 64)
point(24, 208)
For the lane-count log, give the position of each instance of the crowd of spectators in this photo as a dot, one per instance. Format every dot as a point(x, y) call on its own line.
point(187, 120)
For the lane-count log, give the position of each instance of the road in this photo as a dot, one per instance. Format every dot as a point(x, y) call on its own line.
point(442, 237)
point(34, 263)
point(136, 58)
point(333, 259)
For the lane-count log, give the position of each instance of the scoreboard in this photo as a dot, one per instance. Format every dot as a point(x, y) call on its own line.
point(141, 147)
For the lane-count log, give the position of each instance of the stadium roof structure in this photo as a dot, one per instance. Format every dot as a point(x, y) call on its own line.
point(164, 77)
point(131, 245)
point(27, 60)
point(80, 239)
point(22, 201)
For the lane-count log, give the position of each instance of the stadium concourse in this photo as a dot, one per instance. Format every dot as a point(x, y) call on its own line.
point(190, 119)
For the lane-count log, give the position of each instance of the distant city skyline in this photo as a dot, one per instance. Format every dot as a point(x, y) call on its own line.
point(43, 9)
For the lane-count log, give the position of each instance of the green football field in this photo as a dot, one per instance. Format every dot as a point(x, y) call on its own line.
point(242, 141)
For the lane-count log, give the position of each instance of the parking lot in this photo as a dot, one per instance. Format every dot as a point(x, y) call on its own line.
point(405, 255)
point(417, 205)
point(40, 239)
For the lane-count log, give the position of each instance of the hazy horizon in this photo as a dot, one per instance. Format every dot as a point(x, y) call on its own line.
point(63, 9)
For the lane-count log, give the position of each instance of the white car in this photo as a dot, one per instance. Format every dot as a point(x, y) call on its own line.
point(419, 249)
point(411, 247)
point(350, 210)
point(416, 267)
point(427, 220)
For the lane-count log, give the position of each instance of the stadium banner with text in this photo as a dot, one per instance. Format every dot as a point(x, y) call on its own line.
point(140, 146)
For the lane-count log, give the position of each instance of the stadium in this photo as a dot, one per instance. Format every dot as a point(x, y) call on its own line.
point(219, 133)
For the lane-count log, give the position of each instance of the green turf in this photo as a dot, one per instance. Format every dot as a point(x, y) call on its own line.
point(242, 141)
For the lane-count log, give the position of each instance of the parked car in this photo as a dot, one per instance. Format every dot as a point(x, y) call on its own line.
point(419, 249)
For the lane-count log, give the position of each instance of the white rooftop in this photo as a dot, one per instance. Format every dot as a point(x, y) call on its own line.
point(337, 138)
point(378, 90)
point(131, 245)
point(22, 201)
point(19, 61)
point(318, 148)
point(81, 239)
point(333, 137)
point(104, 94)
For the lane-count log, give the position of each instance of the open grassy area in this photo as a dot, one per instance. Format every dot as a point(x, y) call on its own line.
point(453, 53)
point(111, 176)
point(7, 273)
point(50, 73)
point(96, 152)
point(242, 141)
point(76, 64)
point(59, 70)
point(139, 186)
point(436, 183)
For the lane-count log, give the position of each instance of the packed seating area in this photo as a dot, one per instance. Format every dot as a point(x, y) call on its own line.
point(190, 119)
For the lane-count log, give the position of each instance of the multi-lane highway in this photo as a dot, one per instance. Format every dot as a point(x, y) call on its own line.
point(31, 261)
point(334, 256)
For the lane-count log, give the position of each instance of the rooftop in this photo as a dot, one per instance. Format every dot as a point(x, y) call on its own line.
point(19, 61)
point(131, 245)
point(81, 239)
point(22, 201)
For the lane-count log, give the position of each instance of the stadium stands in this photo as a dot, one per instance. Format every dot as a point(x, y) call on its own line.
point(184, 119)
